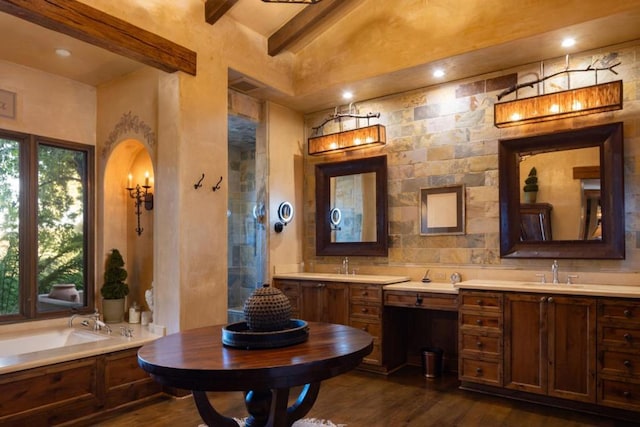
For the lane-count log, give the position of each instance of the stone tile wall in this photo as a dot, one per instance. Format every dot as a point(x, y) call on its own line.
point(445, 135)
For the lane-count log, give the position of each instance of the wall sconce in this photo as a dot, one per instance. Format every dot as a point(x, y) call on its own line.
point(285, 213)
point(348, 140)
point(140, 194)
point(559, 105)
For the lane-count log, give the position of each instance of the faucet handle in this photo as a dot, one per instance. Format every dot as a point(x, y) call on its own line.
point(571, 276)
point(543, 278)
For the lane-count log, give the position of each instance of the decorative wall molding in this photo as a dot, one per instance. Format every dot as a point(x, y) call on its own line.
point(129, 123)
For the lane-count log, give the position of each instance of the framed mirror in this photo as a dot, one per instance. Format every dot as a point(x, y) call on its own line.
point(351, 207)
point(578, 211)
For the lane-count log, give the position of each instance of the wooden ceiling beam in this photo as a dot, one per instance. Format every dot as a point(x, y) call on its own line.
point(214, 9)
point(93, 26)
point(302, 24)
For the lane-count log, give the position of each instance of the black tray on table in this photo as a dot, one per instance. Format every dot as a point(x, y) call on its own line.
point(239, 335)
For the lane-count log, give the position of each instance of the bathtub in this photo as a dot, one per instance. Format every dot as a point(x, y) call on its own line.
point(52, 374)
point(37, 344)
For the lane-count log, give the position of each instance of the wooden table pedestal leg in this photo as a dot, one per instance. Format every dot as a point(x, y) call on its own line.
point(268, 408)
point(209, 415)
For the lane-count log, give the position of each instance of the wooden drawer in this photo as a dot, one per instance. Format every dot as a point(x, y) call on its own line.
point(619, 336)
point(475, 320)
point(480, 371)
point(421, 300)
point(373, 328)
point(619, 310)
point(362, 292)
point(481, 301)
point(481, 346)
point(620, 363)
point(619, 394)
point(362, 309)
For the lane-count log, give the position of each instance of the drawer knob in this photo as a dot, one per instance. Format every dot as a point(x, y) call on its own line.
point(364, 310)
point(627, 336)
point(478, 371)
point(626, 394)
point(478, 321)
point(627, 313)
point(365, 328)
point(479, 302)
point(543, 299)
point(627, 363)
point(365, 293)
point(550, 299)
point(479, 344)
point(418, 299)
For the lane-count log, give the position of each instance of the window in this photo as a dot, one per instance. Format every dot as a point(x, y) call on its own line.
point(46, 226)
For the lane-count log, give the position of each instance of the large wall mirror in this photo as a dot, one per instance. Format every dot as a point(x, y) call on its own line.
point(351, 207)
point(578, 211)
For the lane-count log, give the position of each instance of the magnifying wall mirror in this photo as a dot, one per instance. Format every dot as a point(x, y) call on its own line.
point(579, 209)
point(351, 207)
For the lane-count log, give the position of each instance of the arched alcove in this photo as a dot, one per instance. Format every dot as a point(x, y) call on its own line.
point(120, 221)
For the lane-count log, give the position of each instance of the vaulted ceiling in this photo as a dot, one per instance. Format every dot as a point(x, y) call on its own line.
point(403, 60)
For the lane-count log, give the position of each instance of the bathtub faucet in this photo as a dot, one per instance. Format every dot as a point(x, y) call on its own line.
point(97, 323)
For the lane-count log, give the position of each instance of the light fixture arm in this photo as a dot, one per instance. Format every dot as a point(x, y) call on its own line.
point(340, 116)
point(514, 88)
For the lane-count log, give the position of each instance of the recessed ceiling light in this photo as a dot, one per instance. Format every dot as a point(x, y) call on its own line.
point(64, 53)
point(438, 73)
point(568, 42)
point(347, 95)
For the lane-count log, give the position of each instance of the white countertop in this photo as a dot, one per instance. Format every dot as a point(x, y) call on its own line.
point(433, 287)
point(620, 291)
point(374, 279)
point(117, 342)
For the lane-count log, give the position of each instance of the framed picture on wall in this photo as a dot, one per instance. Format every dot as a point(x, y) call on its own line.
point(442, 210)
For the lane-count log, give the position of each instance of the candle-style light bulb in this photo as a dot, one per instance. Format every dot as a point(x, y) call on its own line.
point(146, 178)
point(130, 179)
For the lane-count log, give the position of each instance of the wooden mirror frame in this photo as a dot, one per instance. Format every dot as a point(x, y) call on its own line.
point(324, 173)
point(612, 246)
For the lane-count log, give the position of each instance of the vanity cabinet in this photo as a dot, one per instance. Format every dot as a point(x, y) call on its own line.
point(619, 353)
point(317, 301)
point(358, 305)
point(550, 345)
point(480, 337)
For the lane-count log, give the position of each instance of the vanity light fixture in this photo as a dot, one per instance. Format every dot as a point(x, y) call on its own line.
point(559, 105)
point(141, 195)
point(368, 136)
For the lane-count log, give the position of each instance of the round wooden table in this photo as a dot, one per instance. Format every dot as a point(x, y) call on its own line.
point(197, 360)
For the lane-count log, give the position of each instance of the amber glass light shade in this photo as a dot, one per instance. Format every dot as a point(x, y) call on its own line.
point(559, 105)
point(348, 140)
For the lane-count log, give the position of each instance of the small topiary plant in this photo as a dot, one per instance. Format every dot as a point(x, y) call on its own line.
point(531, 183)
point(114, 286)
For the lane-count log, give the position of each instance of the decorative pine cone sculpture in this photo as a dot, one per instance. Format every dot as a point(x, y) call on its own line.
point(267, 309)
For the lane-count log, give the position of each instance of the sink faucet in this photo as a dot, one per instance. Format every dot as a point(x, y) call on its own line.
point(554, 271)
point(345, 265)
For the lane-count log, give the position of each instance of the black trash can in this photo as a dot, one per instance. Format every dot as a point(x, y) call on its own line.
point(431, 362)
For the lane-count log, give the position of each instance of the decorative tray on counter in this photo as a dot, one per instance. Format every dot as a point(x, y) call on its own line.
point(239, 335)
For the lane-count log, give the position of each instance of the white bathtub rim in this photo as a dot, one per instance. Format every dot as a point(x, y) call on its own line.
point(14, 363)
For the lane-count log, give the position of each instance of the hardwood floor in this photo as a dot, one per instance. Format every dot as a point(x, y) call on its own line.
point(360, 399)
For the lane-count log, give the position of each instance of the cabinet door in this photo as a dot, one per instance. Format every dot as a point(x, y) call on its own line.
point(572, 348)
point(336, 303)
point(312, 301)
point(525, 343)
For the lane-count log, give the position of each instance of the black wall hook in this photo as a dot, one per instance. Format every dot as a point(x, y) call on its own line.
point(199, 183)
point(217, 186)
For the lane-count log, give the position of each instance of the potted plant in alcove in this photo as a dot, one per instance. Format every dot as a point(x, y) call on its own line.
point(114, 289)
point(531, 186)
